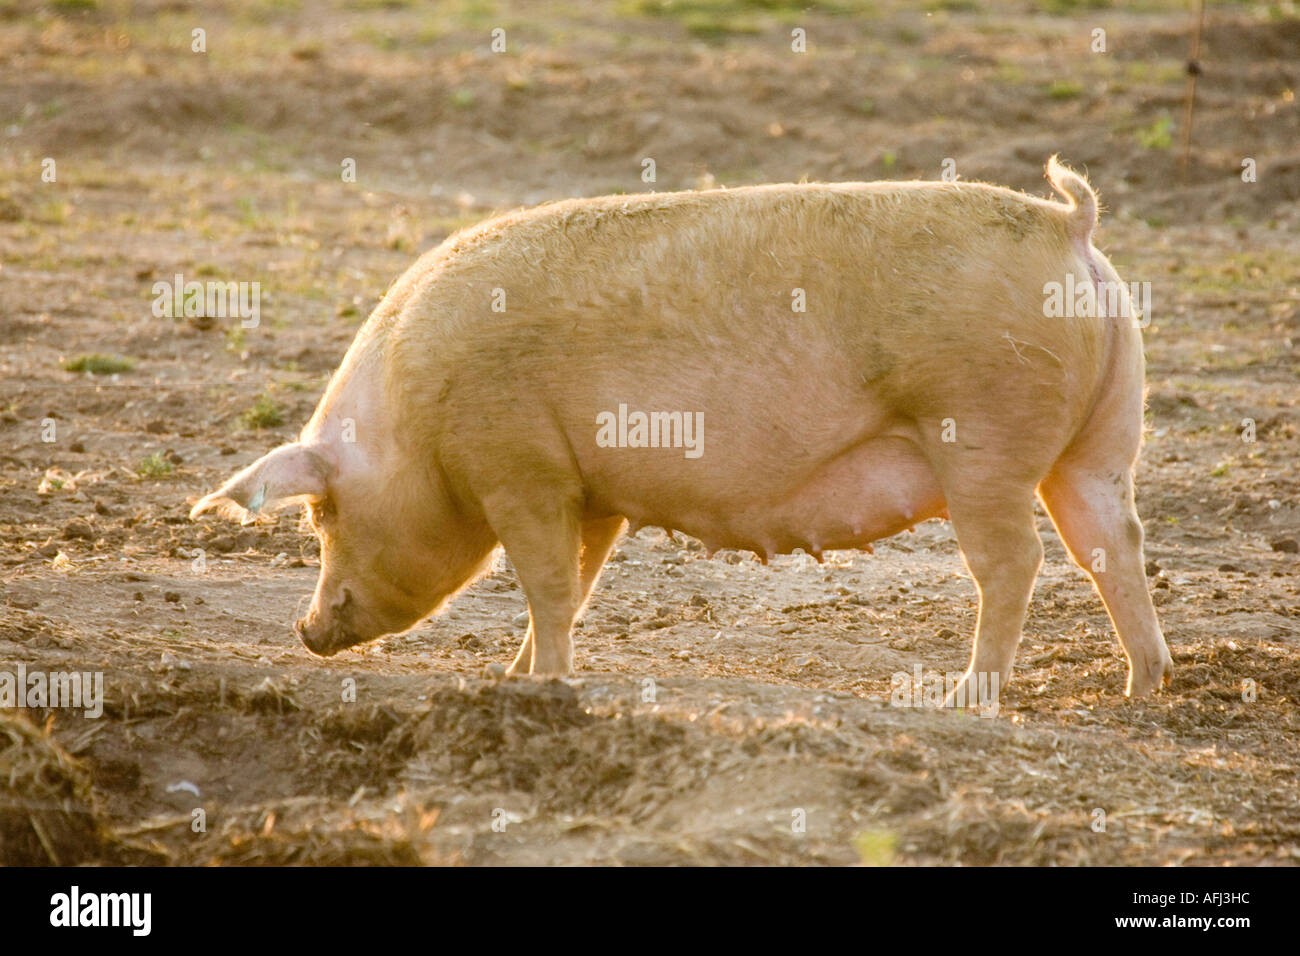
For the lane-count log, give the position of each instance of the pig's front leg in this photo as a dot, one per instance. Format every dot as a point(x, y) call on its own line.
point(540, 526)
point(598, 538)
point(523, 662)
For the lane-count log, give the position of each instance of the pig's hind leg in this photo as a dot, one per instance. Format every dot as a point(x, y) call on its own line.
point(558, 559)
point(1089, 494)
point(1000, 545)
point(1094, 513)
point(988, 480)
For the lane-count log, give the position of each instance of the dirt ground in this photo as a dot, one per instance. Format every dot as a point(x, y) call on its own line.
point(722, 711)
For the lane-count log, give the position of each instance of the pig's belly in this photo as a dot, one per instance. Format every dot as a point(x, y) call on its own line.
point(872, 490)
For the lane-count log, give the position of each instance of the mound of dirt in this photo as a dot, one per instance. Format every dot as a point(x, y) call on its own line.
point(47, 815)
point(541, 739)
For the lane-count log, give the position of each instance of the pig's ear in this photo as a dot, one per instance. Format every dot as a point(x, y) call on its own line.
point(291, 471)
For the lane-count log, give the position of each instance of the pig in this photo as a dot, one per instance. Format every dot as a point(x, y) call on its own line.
point(767, 368)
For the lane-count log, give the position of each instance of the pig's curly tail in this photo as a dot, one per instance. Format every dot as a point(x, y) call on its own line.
point(1081, 217)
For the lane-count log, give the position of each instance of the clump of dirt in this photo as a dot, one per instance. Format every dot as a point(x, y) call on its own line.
point(47, 814)
point(314, 835)
point(541, 739)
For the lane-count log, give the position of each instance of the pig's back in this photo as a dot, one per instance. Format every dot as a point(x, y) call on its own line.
point(912, 289)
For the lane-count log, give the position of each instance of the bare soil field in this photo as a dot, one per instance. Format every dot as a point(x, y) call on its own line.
point(722, 711)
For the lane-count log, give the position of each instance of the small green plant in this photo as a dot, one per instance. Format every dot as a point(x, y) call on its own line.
point(462, 99)
point(265, 413)
point(1074, 6)
point(875, 847)
point(98, 364)
point(1012, 74)
point(1159, 135)
point(1064, 89)
point(889, 160)
point(249, 213)
point(155, 466)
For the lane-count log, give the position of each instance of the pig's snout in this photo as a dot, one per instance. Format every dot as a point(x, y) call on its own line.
point(329, 633)
point(318, 640)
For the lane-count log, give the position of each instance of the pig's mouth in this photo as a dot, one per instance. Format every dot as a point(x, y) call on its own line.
point(338, 635)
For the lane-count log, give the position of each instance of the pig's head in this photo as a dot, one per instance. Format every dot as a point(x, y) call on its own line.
point(393, 548)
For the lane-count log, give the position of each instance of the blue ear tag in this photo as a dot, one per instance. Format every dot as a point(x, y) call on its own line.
point(255, 503)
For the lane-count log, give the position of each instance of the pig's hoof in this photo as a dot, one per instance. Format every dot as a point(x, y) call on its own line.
point(976, 693)
point(1148, 677)
point(538, 673)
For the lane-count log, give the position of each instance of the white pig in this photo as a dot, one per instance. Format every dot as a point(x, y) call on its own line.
point(850, 359)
